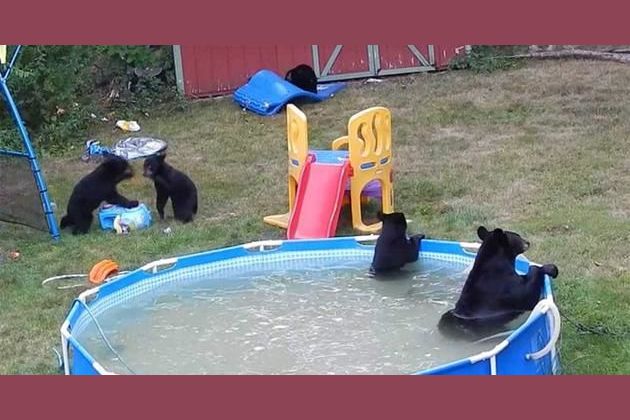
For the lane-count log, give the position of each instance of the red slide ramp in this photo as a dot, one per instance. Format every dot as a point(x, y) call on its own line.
point(318, 199)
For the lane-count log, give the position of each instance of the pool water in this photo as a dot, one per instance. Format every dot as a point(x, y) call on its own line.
point(307, 320)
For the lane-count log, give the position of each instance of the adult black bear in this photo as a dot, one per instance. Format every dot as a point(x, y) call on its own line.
point(303, 76)
point(494, 293)
point(173, 184)
point(394, 248)
point(93, 189)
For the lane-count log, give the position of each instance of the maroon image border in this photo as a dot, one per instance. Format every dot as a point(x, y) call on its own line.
point(292, 23)
point(324, 21)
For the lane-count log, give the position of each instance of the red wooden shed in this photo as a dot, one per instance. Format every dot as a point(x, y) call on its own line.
point(217, 70)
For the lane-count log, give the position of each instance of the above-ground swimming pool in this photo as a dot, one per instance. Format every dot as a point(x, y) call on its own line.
point(296, 307)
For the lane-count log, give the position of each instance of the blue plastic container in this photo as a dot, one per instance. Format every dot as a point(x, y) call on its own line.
point(136, 218)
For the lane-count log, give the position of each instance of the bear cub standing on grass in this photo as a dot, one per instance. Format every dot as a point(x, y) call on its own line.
point(95, 188)
point(494, 293)
point(394, 248)
point(173, 184)
point(303, 76)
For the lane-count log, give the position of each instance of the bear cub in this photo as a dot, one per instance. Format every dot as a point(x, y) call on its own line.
point(494, 294)
point(303, 76)
point(393, 247)
point(93, 189)
point(173, 184)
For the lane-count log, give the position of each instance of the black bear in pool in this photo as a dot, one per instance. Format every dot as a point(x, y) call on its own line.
point(393, 247)
point(494, 294)
point(95, 188)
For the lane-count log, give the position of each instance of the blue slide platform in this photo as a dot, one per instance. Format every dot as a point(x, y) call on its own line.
point(266, 93)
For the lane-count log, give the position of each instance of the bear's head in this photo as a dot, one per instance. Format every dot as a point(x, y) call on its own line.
point(152, 165)
point(511, 242)
point(117, 168)
point(393, 223)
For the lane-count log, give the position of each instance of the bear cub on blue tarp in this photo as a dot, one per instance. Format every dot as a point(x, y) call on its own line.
point(494, 294)
point(173, 184)
point(302, 76)
point(95, 188)
point(393, 247)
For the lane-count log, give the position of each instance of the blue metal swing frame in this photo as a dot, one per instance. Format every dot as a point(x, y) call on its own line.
point(28, 152)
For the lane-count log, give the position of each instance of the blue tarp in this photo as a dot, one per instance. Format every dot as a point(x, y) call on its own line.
point(266, 93)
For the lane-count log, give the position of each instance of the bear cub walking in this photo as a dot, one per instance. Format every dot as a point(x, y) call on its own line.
point(173, 184)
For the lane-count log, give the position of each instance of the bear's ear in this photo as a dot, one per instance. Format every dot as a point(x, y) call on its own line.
point(500, 233)
point(503, 239)
point(482, 232)
point(161, 157)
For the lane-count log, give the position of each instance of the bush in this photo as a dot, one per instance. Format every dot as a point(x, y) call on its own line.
point(61, 89)
point(489, 58)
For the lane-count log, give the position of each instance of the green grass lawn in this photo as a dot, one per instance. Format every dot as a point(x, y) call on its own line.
point(543, 150)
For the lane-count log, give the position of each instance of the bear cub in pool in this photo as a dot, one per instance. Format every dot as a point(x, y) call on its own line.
point(494, 294)
point(95, 188)
point(173, 184)
point(302, 76)
point(393, 247)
